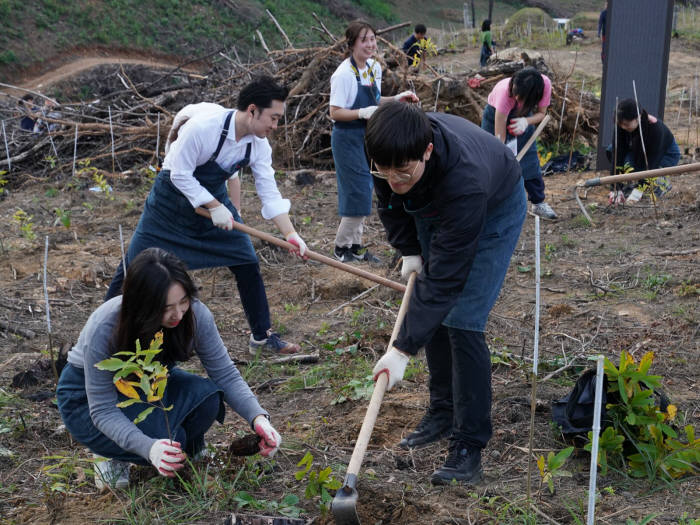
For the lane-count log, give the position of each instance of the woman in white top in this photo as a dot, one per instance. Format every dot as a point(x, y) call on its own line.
point(355, 94)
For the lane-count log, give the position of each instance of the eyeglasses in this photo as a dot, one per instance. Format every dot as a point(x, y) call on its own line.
point(399, 176)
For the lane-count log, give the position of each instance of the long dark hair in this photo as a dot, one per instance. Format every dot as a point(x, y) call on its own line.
point(486, 25)
point(527, 83)
point(148, 280)
point(353, 32)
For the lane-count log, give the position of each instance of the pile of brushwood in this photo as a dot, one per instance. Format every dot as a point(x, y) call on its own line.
point(121, 126)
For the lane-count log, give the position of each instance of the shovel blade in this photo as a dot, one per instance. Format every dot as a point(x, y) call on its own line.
point(344, 504)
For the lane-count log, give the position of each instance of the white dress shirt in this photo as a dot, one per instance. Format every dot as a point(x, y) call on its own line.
point(196, 143)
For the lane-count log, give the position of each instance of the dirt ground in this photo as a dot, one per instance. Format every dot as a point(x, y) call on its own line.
point(628, 282)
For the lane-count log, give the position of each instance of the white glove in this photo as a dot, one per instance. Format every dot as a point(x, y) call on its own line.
point(410, 264)
point(518, 126)
point(271, 439)
point(393, 363)
point(296, 240)
point(167, 457)
point(221, 217)
point(406, 96)
point(367, 112)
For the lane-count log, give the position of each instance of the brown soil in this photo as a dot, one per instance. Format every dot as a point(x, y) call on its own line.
point(597, 297)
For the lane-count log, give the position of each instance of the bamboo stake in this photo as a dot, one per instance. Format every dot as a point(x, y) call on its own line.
point(690, 114)
point(599, 379)
point(121, 245)
point(158, 141)
point(680, 106)
point(535, 357)
point(279, 27)
point(75, 148)
point(644, 148)
point(561, 116)
point(437, 95)
point(111, 134)
point(7, 149)
point(573, 135)
point(48, 310)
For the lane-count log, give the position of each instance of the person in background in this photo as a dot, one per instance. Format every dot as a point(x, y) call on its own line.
point(486, 42)
point(29, 111)
point(453, 204)
point(412, 44)
point(159, 296)
point(514, 106)
point(602, 22)
point(48, 110)
point(355, 95)
point(210, 148)
point(660, 150)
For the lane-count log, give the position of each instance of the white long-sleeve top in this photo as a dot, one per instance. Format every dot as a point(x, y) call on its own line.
point(196, 142)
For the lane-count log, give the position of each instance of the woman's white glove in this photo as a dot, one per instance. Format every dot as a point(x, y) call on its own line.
point(296, 240)
point(393, 363)
point(518, 126)
point(167, 457)
point(366, 113)
point(271, 439)
point(221, 217)
point(406, 96)
point(410, 264)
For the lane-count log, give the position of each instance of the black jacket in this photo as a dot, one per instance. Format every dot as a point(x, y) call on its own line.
point(657, 140)
point(469, 173)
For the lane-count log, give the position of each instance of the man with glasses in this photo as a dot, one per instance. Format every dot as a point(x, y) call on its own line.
point(453, 203)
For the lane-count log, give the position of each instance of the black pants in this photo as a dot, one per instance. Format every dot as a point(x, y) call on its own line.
point(460, 380)
point(250, 288)
point(535, 190)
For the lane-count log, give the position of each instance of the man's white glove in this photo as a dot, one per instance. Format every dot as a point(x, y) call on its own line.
point(271, 439)
point(221, 217)
point(296, 240)
point(406, 96)
point(393, 363)
point(367, 112)
point(518, 126)
point(167, 457)
point(410, 264)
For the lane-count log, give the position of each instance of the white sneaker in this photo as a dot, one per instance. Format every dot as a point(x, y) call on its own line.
point(635, 196)
point(544, 210)
point(111, 472)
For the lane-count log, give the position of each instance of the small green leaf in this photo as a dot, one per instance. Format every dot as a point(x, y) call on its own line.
point(143, 415)
point(128, 403)
point(112, 364)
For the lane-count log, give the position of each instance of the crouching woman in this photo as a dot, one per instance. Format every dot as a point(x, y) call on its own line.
point(159, 295)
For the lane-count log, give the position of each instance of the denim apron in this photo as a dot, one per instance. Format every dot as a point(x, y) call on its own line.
point(184, 391)
point(530, 163)
point(348, 145)
point(497, 241)
point(169, 221)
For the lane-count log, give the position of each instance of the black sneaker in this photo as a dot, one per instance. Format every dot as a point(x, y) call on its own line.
point(463, 464)
point(363, 254)
point(343, 254)
point(435, 425)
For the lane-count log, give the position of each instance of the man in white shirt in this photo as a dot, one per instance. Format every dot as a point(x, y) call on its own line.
point(207, 147)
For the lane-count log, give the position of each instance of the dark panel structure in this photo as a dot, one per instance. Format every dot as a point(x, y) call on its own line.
point(637, 42)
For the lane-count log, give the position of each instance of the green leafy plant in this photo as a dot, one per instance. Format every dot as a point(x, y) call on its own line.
point(50, 160)
point(426, 48)
point(655, 449)
point(26, 226)
point(287, 506)
point(151, 375)
point(62, 217)
point(552, 467)
point(609, 442)
point(318, 483)
point(355, 390)
point(3, 181)
point(67, 471)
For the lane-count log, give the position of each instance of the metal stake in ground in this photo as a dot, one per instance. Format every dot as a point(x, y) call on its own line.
point(535, 357)
point(48, 310)
point(111, 134)
point(644, 148)
point(7, 149)
point(75, 148)
point(573, 135)
point(121, 245)
point(599, 379)
point(561, 116)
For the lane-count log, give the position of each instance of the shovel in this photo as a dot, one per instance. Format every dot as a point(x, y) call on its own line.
point(344, 505)
point(311, 255)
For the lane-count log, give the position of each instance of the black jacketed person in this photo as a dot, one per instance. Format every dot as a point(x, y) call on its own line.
point(210, 145)
point(452, 201)
point(159, 298)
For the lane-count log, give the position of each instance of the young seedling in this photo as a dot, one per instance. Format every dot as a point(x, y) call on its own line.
point(319, 482)
point(551, 467)
point(152, 378)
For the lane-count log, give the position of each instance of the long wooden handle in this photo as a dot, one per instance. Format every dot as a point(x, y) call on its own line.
point(533, 138)
point(378, 393)
point(636, 175)
point(311, 254)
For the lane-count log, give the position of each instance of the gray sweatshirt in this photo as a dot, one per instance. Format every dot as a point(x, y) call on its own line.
point(93, 346)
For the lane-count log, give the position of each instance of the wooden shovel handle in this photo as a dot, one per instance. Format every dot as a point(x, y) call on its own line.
point(533, 138)
point(311, 255)
point(636, 175)
point(378, 393)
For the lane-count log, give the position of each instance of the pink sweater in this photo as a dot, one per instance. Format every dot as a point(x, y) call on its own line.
point(504, 103)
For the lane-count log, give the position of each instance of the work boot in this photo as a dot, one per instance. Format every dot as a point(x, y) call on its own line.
point(544, 210)
point(435, 425)
point(463, 464)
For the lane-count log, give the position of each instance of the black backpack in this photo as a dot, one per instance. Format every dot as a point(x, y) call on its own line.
point(574, 412)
